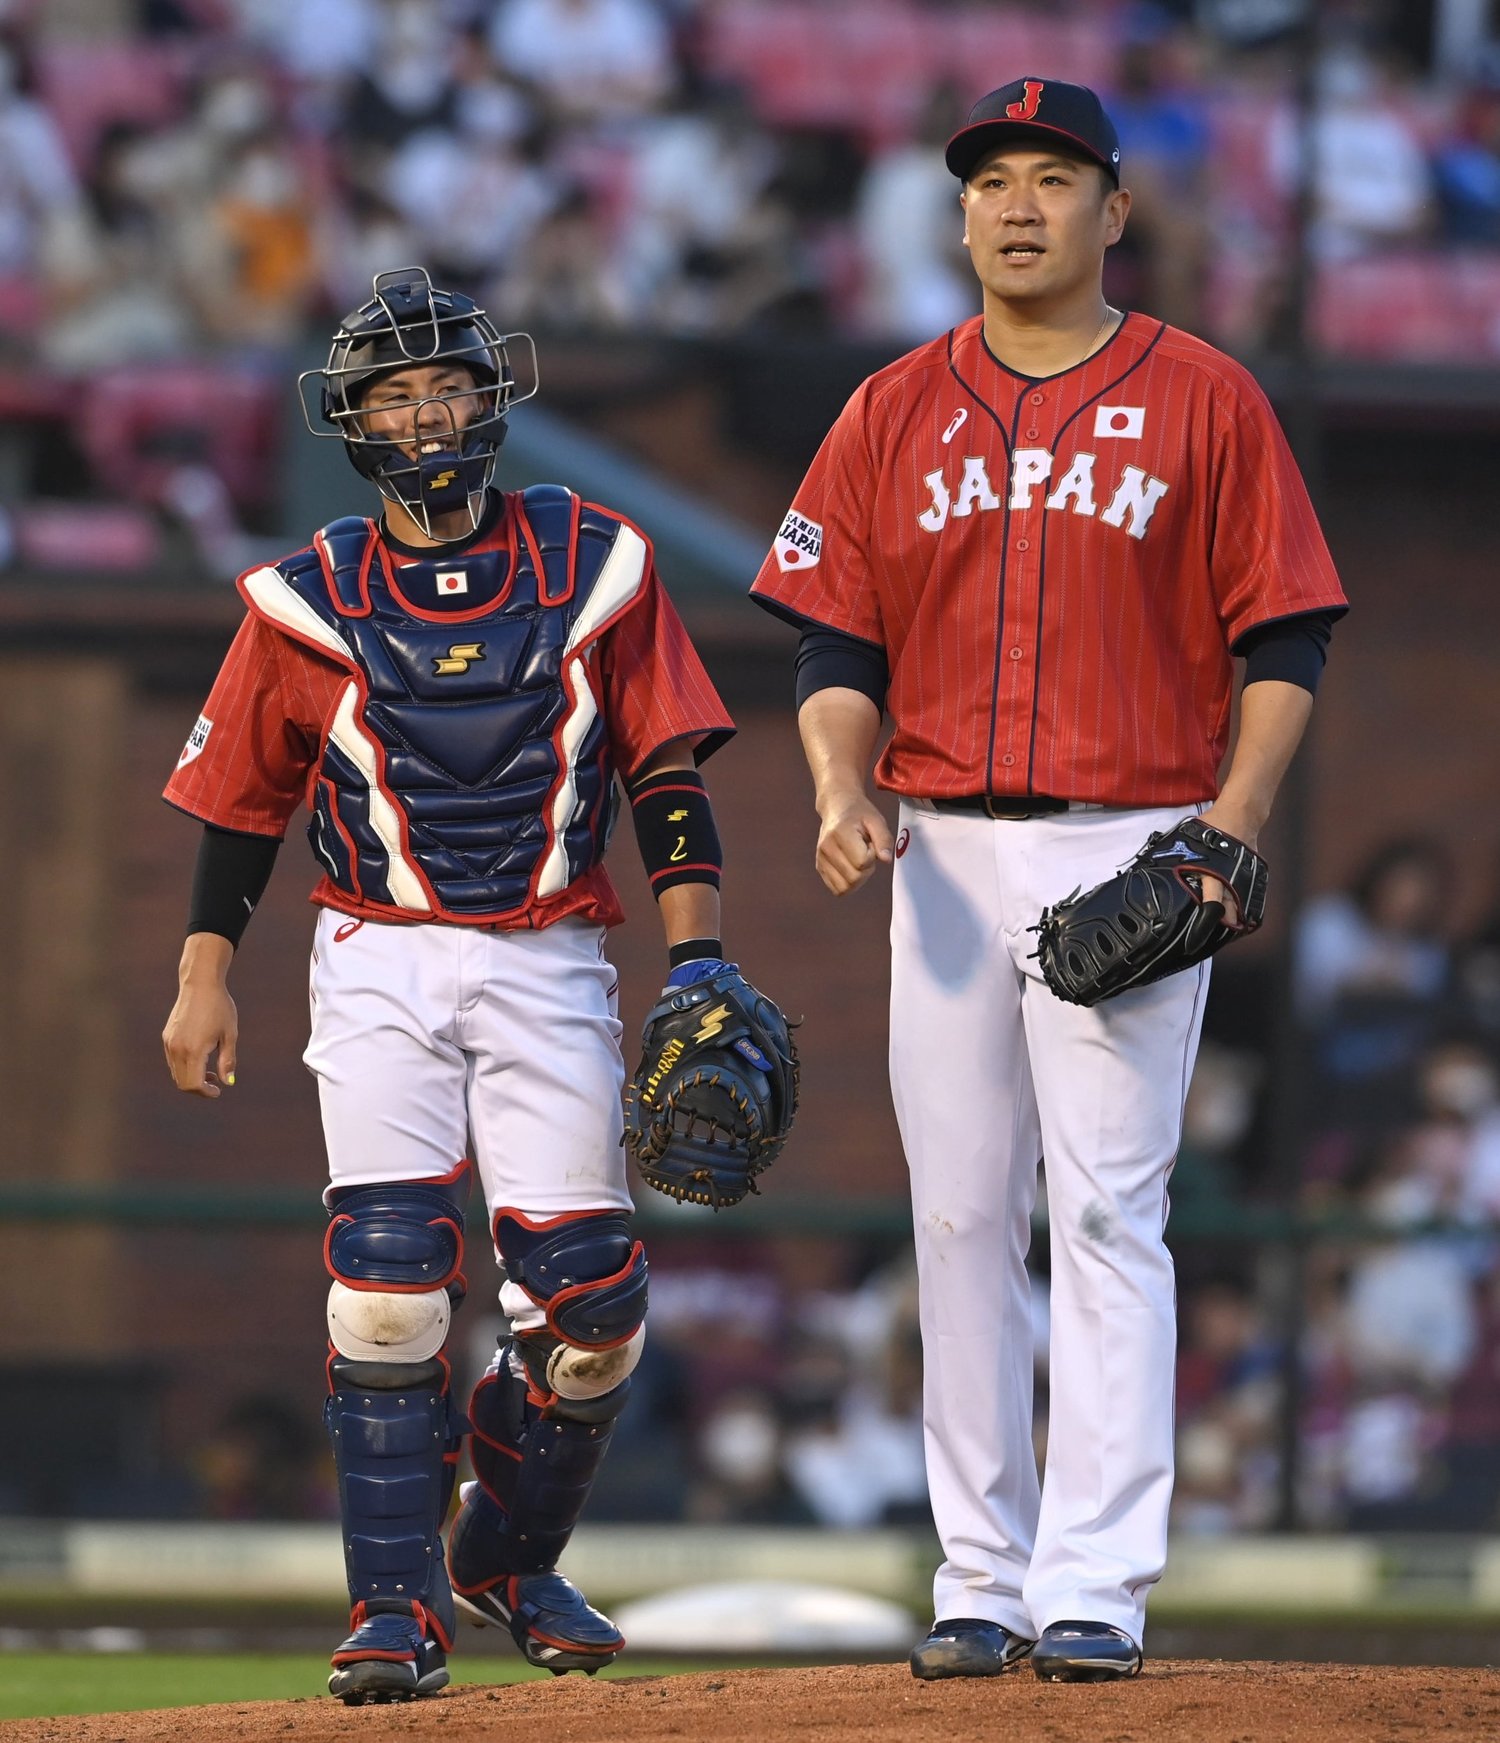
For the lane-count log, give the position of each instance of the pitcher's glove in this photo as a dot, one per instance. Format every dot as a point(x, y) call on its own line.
point(1150, 919)
point(713, 1098)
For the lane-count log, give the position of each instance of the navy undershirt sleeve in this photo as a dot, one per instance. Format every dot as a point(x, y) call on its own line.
point(829, 659)
point(1292, 650)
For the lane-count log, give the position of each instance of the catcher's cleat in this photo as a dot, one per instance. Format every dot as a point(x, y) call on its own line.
point(387, 1658)
point(551, 1621)
point(967, 1646)
point(1085, 1652)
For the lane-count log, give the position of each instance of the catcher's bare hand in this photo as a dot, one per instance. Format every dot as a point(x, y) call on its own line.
point(204, 1022)
point(853, 840)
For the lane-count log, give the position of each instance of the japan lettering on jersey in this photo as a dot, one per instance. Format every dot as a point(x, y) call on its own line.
point(1056, 568)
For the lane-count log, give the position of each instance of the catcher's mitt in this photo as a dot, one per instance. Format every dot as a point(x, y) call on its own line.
point(1150, 919)
point(713, 1098)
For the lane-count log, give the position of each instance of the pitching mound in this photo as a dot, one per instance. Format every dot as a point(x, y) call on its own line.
point(1171, 1703)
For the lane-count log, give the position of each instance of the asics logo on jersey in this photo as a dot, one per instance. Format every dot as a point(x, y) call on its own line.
point(458, 659)
point(955, 424)
point(1132, 502)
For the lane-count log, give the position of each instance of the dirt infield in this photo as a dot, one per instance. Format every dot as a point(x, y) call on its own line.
point(1172, 1703)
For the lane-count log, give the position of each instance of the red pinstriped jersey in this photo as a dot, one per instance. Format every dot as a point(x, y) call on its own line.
point(253, 757)
point(1056, 568)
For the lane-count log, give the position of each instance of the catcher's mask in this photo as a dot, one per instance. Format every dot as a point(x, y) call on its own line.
point(409, 323)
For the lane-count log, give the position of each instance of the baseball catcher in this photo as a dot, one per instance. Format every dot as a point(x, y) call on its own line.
point(715, 1093)
point(1153, 918)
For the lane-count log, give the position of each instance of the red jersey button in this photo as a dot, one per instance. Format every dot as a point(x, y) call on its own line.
point(1032, 433)
point(1023, 544)
point(1038, 399)
point(1007, 760)
point(1015, 653)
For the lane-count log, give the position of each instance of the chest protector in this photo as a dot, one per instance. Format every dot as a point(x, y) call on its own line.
point(465, 771)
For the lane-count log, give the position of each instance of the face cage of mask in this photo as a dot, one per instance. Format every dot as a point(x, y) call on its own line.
point(471, 453)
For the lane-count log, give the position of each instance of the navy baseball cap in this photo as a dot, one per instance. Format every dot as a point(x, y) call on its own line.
point(1036, 110)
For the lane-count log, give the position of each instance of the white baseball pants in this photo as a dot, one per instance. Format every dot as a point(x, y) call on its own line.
point(989, 1073)
point(431, 1043)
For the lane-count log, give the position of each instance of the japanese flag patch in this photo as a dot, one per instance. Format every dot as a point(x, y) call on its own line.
point(450, 581)
point(799, 544)
point(197, 738)
point(1120, 420)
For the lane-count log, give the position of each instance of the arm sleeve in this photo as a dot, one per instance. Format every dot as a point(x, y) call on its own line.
point(655, 688)
point(1293, 650)
point(1268, 558)
point(245, 764)
point(229, 880)
point(829, 659)
point(818, 570)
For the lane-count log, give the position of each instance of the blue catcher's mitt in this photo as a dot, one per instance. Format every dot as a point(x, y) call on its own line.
point(1150, 920)
point(713, 1098)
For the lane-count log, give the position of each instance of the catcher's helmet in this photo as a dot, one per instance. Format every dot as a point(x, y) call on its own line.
point(409, 323)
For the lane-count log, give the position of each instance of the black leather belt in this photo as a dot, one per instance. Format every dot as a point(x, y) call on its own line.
point(1011, 806)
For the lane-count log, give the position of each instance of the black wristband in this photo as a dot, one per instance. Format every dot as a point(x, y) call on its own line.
point(674, 824)
point(230, 877)
point(695, 950)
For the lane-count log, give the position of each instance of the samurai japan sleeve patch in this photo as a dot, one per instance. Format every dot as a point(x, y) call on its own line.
point(799, 544)
point(197, 739)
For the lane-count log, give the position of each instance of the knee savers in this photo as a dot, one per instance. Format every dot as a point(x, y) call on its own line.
point(587, 1274)
point(394, 1252)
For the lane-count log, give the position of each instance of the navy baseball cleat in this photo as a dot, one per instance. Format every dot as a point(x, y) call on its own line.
point(387, 1658)
point(967, 1646)
point(1085, 1652)
point(551, 1621)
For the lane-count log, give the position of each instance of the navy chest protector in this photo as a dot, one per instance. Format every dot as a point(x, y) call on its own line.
point(465, 771)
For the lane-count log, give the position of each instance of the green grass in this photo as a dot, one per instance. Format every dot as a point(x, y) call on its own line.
point(35, 1685)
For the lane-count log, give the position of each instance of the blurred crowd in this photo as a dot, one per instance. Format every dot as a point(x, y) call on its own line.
point(182, 175)
point(1398, 1016)
point(187, 174)
point(191, 191)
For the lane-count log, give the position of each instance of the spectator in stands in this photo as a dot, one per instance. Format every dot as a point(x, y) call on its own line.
point(1411, 1321)
point(1228, 1386)
point(1383, 935)
point(410, 83)
point(323, 44)
point(256, 260)
point(1160, 110)
point(472, 197)
point(692, 235)
point(1466, 171)
point(591, 60)
point(39, 197)
point(562, 281)
point(121, 296)
point(1371, 185)
point(739, 1448)
point(917, 280)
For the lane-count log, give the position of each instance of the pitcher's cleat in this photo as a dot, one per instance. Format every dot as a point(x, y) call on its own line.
point(551, 1621)
point(1085, 1652)
point(967, 1646)
point(387, 1658)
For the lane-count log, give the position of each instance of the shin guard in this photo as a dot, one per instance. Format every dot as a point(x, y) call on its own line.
point(535, 1468)
point(396, 1438)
